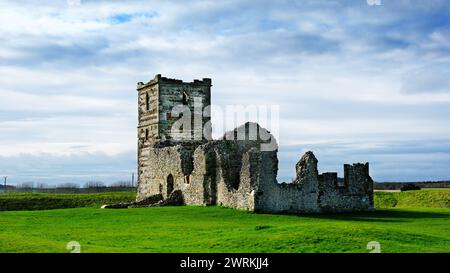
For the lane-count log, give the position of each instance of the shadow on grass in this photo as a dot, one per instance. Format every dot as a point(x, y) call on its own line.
point(380, 215)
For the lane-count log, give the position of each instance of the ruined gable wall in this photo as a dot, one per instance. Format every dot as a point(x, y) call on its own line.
point(203, 187)
point(247, 176)
point(233, 177)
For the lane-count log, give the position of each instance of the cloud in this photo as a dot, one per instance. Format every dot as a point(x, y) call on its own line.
point(81, 168)
point(427, 80)
point(402, 160)
point(341, 72)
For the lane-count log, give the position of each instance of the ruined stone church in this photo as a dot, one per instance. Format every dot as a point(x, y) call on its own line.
point(234, 171)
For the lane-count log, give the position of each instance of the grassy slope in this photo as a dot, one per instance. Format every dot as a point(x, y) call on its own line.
point(436, 198)
point(33, 201)
point(216, 229)
point(413, 199)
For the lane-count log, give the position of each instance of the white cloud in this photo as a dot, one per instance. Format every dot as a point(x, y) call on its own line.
point(339, 72)
point(427, 80)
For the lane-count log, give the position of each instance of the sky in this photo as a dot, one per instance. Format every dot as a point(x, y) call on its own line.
point(354, 82)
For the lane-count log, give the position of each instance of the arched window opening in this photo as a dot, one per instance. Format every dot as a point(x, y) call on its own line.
point(185, 98)
point(187, 179)
point(169, 184)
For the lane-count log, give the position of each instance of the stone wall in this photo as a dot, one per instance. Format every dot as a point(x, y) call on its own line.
point(272, 197)
point(356, 193)
point(175, 93)
point(312, 192)
point(165, 169)
point(148, 111)
point(235, 177)
point(157, 100)
point(237, 174)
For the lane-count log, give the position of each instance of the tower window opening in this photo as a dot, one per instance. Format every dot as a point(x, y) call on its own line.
point(187, 179)
point(147, 102)
point(169, 184)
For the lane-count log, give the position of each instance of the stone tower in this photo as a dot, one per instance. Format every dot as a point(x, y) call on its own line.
point(166, 103)
point(163, 105)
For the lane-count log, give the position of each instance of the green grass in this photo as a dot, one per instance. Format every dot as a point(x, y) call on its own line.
point(436, 198)
point(414, 221)
point(39, 201)
point(216, 229)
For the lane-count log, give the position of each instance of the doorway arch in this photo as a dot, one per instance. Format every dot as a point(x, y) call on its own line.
point(169, 184)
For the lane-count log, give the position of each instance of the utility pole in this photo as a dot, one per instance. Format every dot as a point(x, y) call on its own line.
point(5, 177)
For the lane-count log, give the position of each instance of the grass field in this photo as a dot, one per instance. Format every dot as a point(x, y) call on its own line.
point(39, 201)
point(432, 198)
point(216, 229)
point(435, 198)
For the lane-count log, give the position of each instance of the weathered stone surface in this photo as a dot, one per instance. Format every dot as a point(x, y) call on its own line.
point(306, 168)
point(175, 199)
point(146, 201)
point(238, 171)
point(152, 199)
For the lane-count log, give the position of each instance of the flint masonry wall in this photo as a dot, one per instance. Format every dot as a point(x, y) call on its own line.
point(159, 97)
point(312, 192)
point(235, 178)
point(272, 197)
point(355, 194)
point(218, 172)
point(160, 166)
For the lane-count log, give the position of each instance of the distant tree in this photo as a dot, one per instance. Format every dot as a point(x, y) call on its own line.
point(94, 184)
point(25, 185)
point(8, 186)
point(42, 186)
point(68, 186)
point(409, 187)
point(121, 184)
